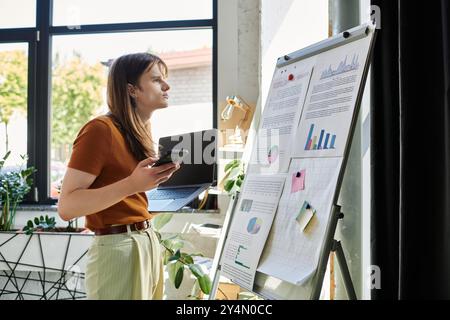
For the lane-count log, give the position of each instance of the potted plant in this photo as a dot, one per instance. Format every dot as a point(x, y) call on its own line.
point(48, 224)
point(234, 176)
point(41, 261)
point(179, 263)
point(14, 185)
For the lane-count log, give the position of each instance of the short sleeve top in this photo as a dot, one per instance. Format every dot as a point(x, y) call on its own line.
point(101, 149)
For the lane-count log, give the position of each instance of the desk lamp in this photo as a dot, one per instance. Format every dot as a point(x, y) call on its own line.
point(232, 103)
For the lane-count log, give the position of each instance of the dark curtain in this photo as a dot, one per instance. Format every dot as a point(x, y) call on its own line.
point(410, 143)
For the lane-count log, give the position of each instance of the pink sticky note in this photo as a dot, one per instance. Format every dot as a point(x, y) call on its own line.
point(298, 181)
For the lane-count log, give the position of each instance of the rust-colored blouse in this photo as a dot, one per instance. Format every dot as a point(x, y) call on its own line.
point(101, 149)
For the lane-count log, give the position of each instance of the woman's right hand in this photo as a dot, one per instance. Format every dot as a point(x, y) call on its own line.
point(145, 178)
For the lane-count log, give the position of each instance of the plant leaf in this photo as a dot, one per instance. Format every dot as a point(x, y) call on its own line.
point(174, 244)
point(229, 185)
point(179, 277)
point(197, 255)
point(30, 224)
point(36, 221)
point(187, 258)
point(196, 270)
point(232, 164)
point(203, 279)
point(167, 255)
point(176, 256)
point(235, 172)
point(161, 220)
point(172, 269)
point(205, 284)
point(6, 155)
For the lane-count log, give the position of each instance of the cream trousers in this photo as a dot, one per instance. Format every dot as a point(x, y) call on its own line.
point(126, 266)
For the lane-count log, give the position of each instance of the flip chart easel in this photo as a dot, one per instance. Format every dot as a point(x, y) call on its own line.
point(312, 288)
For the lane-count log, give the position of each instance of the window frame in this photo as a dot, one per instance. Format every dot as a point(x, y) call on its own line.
point(39, 41)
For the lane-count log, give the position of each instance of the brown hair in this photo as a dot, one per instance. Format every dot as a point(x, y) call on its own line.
point(126, 70)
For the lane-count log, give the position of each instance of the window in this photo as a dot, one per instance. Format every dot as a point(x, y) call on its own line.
point(68, 61)
point(78, 12)
point(188, 54)
point(17, 13)
point(13, 101)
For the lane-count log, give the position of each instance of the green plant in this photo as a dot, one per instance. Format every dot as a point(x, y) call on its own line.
point(234, 176)
point(176, 260)
point(70, 227)
point(49, 224)
point(14, 185)
point(42, 224)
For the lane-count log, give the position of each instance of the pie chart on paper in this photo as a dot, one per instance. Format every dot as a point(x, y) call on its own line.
point(254, 225)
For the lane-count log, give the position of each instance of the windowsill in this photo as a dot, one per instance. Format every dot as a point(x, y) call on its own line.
point(54, 208)
point(37, 207)
point(188, 210)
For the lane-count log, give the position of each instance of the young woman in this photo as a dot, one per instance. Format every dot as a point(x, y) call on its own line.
point(108, 173)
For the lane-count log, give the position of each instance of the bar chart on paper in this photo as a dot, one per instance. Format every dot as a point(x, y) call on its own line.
point(324, 140)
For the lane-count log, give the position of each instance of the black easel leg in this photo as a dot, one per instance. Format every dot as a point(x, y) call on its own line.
point(337, 247)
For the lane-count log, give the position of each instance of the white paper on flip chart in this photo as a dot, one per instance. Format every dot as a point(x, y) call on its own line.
point(330, 102)
point(279, 121)
point(291, 254)
point(250, 227)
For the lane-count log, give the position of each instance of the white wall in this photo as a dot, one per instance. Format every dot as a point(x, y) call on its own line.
point(287, 26)
point(238, 57)
point(227, 66)
point(238, 49)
